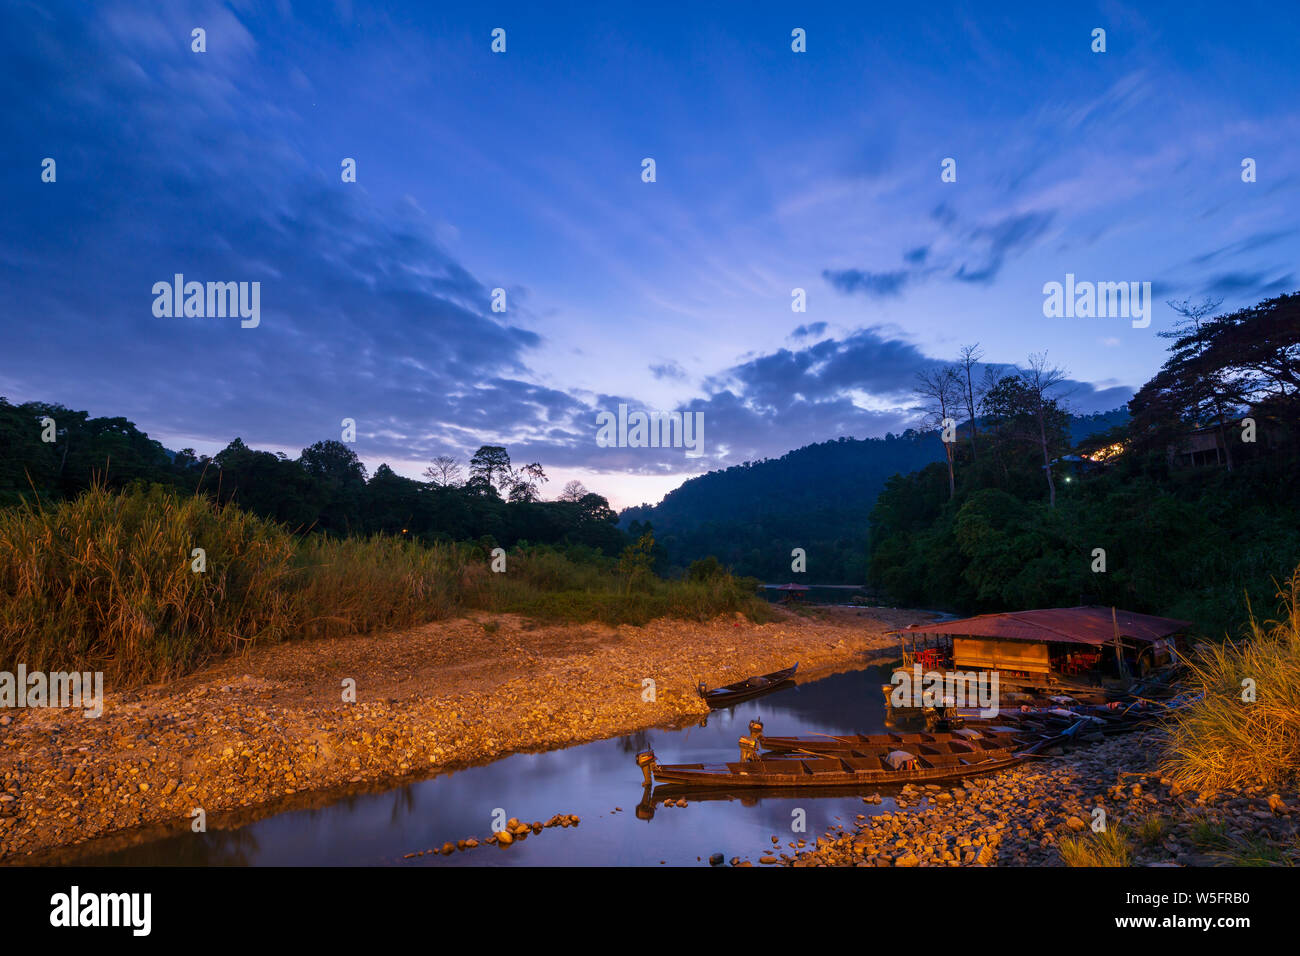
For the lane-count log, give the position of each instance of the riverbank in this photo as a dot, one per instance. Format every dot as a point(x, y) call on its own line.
point(274, 723)
point(1041, 814)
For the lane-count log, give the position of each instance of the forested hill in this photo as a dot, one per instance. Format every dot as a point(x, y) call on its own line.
point(1082, 427)
point(817, 498)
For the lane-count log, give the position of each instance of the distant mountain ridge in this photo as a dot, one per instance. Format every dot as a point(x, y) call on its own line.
point(817, 497)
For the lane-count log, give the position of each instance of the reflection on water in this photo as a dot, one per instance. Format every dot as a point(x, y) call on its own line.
point(589, 780)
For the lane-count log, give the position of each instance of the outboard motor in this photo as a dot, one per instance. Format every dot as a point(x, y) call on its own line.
point(943, 718)
point(646, 761)
point(645, 810)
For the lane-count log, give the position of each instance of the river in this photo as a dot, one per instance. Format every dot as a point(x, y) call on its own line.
point(598, 781)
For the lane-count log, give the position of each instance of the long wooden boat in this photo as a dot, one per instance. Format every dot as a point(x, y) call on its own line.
point(747, 689)
point(1101, 719)
point(868, 760)
point(832, 771)
point(1113, 718)
point(977, 739)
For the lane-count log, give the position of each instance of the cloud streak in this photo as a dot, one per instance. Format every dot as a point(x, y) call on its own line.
point(225, 167)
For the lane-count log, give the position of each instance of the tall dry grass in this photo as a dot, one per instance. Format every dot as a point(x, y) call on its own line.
point(1110, 847)
point(105, 582)
point(1223, 740)
point(358, 585)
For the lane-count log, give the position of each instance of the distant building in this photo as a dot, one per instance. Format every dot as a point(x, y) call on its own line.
point(1204, 445)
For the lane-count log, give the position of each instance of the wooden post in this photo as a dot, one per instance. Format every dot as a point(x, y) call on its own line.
point(1119, 653)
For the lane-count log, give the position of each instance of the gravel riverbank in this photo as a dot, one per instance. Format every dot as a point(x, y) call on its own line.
point(274, 723)
point(1021, 817)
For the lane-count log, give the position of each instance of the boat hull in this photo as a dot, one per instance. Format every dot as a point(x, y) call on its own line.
point(859, 760)
point(796, 773)
point(749, 688)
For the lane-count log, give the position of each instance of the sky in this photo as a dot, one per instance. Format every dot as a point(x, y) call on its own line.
point(522, 170)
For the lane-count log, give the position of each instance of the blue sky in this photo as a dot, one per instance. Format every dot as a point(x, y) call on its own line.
point(522, 170)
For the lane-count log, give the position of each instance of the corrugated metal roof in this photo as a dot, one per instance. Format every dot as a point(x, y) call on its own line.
point(1061, 625)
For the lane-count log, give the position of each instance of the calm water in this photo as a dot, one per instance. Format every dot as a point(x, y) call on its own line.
point(590, 780)
point(836, 594)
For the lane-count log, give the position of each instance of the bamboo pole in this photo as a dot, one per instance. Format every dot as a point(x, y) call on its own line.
point(1119, 653)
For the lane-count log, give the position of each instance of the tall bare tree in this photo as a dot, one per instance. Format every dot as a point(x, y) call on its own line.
point(992, 375)
point(940, 390)
point(445, 471)
point(573, 491)
point(970, 356)
point(1040, 379)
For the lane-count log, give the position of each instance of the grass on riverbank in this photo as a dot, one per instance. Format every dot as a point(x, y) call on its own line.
point(1245, 730)
point(1116, 845)
point(110, 582)
point(547, 586)
point(1110, 847)
point(1218, 842)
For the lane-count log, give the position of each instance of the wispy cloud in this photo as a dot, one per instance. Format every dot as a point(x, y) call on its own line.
point(522, 172)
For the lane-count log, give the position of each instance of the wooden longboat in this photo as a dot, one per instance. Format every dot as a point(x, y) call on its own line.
point(747, 689)
point(867, 761)
point(831, 771)
point(1106, 719)
point(966, 740)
